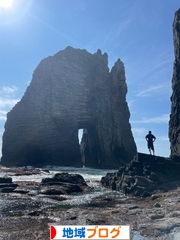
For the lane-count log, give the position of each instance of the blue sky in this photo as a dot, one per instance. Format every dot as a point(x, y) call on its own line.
point(139, 32)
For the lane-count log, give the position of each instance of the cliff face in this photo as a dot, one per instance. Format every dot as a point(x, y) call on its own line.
point(174, 124)
point(69, 91)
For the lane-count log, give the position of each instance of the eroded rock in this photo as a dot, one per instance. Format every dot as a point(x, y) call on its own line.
point(6, 185)
point(63, 183)
point(144, 175)
point(5, 180)
point(174, 123)
point(69, 91)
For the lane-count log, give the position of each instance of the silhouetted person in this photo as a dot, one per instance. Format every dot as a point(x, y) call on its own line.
point(150, 138)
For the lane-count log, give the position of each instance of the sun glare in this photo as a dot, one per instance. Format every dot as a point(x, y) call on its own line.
point(5, 3)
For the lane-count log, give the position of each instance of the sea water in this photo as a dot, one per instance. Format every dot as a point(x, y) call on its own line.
point(91, 176)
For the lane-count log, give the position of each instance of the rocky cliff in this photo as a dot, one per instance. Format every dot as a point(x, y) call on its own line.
point(69, 91)
point(174, 124)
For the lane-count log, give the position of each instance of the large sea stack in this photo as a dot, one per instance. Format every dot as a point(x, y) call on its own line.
point(69, 91)
point(174, 124)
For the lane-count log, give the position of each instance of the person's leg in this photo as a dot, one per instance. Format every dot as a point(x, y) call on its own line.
point(152, 147)
point(150, 151)
point(149, 147)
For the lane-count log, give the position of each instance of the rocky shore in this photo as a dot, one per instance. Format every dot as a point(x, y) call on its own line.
point(144, 175)
point(27, 212)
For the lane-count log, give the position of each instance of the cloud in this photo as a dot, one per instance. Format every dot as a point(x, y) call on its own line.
point(123, 25)
point(117, 29)
point(163, 138)
point(159, 65)
point(9, 90)
point(139, 131)
point(130, 106)
point(7, 100)
point(52, 28)
point(2, 115)
point(150, 90)
point(130, 103)
point(153, 68)
point(164, 118)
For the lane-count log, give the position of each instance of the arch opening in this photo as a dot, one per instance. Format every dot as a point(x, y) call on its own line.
point(80, 135)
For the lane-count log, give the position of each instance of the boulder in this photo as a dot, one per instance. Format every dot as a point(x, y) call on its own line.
point(66, 178)
point(7, 189)
point(63, 183)
point(5, 180)
point(6, 185)
point(3, 185)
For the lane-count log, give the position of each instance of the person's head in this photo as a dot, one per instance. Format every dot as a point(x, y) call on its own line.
point(149, 132)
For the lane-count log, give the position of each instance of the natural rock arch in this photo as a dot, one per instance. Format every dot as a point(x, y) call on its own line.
point(71, 90)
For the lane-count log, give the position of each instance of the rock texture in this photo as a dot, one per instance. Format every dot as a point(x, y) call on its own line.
point(63, 183)
point(27, 214)
point(59, 184)
point(174, 124)
point(144, 175)
point(69, 91)
point(6, 185)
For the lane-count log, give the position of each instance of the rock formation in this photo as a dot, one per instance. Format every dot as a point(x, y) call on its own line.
point(144, 175)
point(174, 124)
point(69, 91)
point(6, 185)
point(63, 183)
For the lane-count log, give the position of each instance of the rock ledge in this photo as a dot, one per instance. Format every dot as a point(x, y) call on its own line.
point(144, 175)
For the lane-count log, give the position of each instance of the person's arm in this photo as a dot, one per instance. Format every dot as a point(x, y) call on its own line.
point(154, 138)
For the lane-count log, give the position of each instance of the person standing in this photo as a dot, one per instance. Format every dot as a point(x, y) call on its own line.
point(150, 138)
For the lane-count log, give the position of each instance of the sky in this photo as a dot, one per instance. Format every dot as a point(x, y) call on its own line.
point(139, 32)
